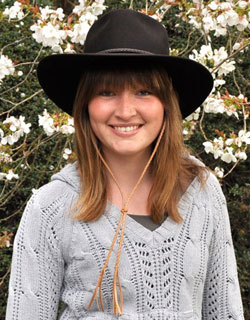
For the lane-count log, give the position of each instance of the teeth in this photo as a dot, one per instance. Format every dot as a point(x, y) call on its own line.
point(126, 129)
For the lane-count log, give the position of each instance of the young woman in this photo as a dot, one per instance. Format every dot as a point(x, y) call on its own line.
point(137, 228)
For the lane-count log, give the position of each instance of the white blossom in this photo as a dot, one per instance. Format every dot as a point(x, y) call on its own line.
point(98, 7)
point(241, 155)
point(57, 48)
point(7, 243)
point(242, 4)
point(18, 127)
point(69, 49)
point(226, 67)
point(67, 129)
point(242, 24)
point(217, 153)
point(218, 149)
point(15, 11)
point(229, 142)
point(214, 104)
point(71, 122)
point(66, 153)
point(218, 57)
point(47, 13)
point(244, 136)
point(219, 172)
point(208, 22)
point(2, 175)
point(209, 148)
point(79, 8)
point(5, 157)
point(59, 13)
point(232, 18)
point(49, 35)
point(95, 9)
point(12, 121)
point(236, 46)
point(220, 31)
point(217, 15)
point(6, 67)
point(11, 175)
point(194, 116)
point(53, 32)
point(79, 32)
point(228, 156)
point(219, 82)
point(228, 149)
point(47, 123)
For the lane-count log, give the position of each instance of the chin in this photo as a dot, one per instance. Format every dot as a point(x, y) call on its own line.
point(129, 152)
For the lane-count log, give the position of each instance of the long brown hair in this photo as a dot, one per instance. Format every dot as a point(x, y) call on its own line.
point(171, 168)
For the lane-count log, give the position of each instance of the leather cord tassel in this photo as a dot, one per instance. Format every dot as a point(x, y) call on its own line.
point(118, 306)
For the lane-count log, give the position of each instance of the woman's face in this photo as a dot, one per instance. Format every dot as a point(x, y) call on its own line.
point(126, 122)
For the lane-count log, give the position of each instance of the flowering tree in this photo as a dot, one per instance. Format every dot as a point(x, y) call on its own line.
point(24, 134)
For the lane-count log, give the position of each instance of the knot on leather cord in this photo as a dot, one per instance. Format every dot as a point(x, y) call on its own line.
point(124, 211)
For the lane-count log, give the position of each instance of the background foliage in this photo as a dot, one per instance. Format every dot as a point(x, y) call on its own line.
point(44, 154)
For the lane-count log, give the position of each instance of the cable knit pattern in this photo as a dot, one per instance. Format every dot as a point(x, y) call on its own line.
point(183, 271)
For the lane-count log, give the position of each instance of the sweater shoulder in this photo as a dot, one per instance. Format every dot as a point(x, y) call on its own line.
point(55, 191)
point(214, 189)
point(47, 215)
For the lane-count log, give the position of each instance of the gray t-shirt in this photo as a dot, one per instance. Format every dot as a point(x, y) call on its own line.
point(146, 221)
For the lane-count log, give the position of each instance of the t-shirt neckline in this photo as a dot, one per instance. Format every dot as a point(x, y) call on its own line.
point(137, 231)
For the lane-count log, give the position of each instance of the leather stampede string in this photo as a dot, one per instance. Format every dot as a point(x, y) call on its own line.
point(117, 307)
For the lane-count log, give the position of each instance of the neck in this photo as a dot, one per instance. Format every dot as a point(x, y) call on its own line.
point(127, 170)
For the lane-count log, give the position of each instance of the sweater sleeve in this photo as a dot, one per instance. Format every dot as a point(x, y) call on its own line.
point(37, 264)
point(221, 297)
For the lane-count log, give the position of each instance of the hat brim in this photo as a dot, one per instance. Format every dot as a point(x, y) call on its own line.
point(60, 74)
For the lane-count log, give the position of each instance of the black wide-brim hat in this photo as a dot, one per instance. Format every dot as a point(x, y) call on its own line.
point(124, 37)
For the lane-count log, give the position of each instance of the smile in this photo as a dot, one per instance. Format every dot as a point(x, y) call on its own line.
point(126, 129)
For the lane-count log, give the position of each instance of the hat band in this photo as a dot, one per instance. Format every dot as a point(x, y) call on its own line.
point(127, 50)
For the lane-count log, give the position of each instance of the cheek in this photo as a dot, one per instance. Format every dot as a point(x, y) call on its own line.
point(95, 113)
point(94, 117)
point(99, 111)
point(156, 114)
point(98, 118)
point(92, 110)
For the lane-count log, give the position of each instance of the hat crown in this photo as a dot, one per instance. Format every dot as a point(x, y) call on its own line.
point(126, 30)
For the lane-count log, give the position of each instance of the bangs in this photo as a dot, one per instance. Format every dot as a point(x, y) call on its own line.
point(127, 79)
point(123, 77)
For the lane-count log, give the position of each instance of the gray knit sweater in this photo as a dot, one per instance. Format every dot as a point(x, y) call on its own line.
point(179, 271)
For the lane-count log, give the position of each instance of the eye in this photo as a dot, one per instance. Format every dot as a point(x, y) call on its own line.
point(106, 93)
point(144, 92)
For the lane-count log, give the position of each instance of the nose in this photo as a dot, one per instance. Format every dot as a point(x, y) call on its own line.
point(126, 107)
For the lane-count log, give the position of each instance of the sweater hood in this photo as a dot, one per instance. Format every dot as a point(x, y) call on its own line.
point(70, 176)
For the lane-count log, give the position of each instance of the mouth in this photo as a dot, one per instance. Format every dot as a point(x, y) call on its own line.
point(126, 128)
